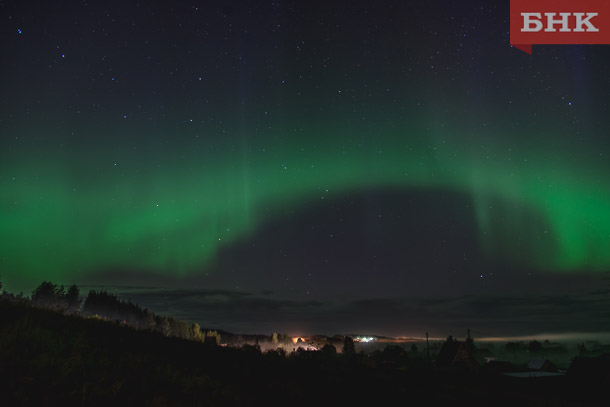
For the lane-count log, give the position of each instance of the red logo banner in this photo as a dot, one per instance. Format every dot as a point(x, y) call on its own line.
point(558, 22)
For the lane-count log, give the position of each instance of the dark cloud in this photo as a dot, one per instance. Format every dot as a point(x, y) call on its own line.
point(267, 312)
point(379, 261)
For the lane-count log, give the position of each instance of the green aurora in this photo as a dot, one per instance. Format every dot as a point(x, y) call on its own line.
point(72, 209)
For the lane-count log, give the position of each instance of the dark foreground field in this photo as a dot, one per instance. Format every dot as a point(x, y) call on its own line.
point(49, 359)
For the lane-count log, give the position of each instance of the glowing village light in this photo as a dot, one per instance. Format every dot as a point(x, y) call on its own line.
point(364, 339)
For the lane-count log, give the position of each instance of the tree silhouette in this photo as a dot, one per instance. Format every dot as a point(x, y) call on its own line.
point(196, 333)
point(109, 306)
point(513, 347)
point(349, 348)
point(535, 346)
point(394, 354)
point(162, 325)
point(73, 298)
point(251, 349)
point(328, 352)
point(49, 295)
point(212, 338)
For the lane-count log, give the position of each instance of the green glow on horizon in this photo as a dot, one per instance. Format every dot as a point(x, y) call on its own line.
point(63, 216)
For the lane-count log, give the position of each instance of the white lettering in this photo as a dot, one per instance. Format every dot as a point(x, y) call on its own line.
point(587, 21)
point(550, 22)
point(528, 21)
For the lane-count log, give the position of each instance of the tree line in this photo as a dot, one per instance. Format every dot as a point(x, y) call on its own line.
point(104, 305)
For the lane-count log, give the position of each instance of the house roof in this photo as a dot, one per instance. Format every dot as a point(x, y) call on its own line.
point(447, 353)
point(527, 375)
point(536, 364)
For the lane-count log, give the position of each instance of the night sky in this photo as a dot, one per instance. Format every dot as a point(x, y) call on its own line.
point(391, 167)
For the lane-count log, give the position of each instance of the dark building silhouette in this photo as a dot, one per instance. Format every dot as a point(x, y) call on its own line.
point(457, 354)
point(541, 365)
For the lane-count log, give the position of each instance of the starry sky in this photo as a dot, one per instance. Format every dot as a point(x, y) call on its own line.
point(390, 166)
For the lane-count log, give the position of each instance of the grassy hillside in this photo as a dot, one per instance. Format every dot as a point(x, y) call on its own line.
point(47, 358)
